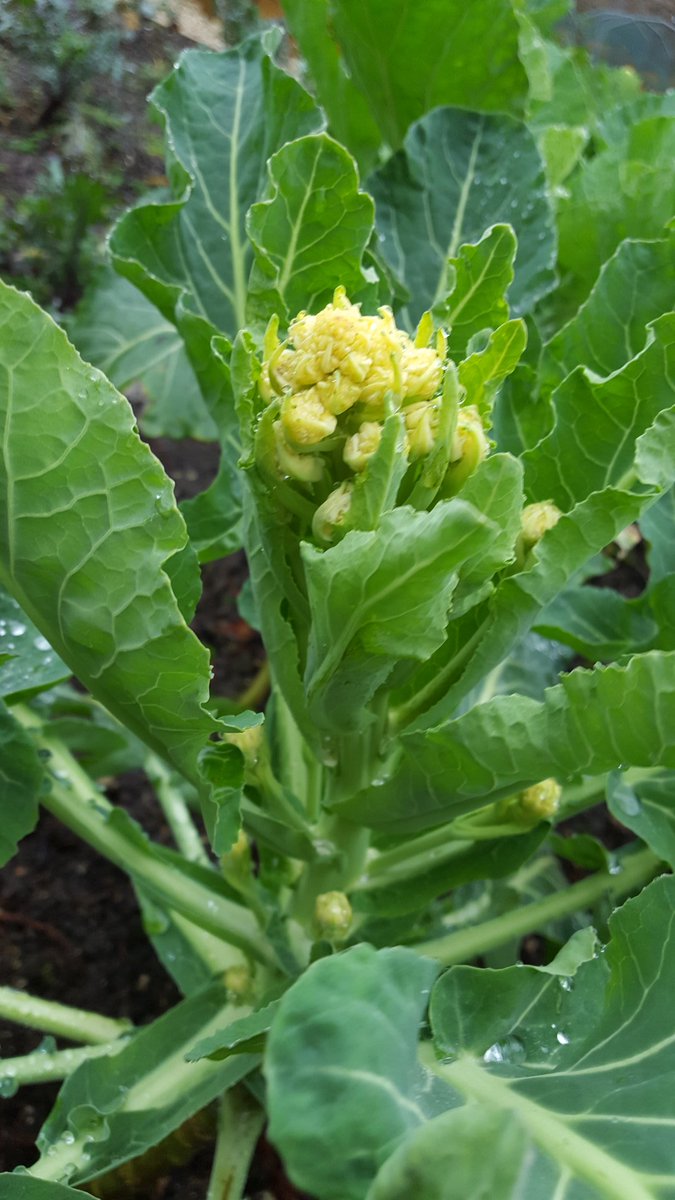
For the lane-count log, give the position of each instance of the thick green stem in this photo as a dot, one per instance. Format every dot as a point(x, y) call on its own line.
point(464, 944)
point(239, 1126)
point(75, 801)
point(43, 1066)
point(339, 874)
point(76, 1024)
point(257, 689)
point(433, 691)
point(177, 813)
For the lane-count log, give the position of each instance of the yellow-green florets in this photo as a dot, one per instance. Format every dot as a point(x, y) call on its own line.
point(330, 388)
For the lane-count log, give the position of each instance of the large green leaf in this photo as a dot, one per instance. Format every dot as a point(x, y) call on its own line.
point(593, 442)
point(126, 337)
point(312, 233)
point(343, 1041)
point(625, 191)
point(225, 114)
point(351, 120)
point(585, 1066)
point(21, 778)
point(382, 595)
point(448, 184)
point(592, 722)
point(408, 58)
point(484, 371)
point(89, 523)
point(634, 288)
point(30, 664)
point(597, 622)
point(111, 1109)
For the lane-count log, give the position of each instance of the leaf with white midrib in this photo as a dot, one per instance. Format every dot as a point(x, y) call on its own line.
point(596, 1104)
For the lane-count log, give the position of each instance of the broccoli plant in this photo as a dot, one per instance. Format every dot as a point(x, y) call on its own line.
point(440, 395)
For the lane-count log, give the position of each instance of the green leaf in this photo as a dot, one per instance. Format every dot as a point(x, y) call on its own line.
point(344, 1041)
point(492, 632)
point(21, 780)
point(593, 443)
point(586, 1071)
point(592, 722)
point(20, 1187)
point(449, 184)
point(222, 765)
point(113, 1108)
point(379, 596)
point(597, 622)
point(478, 280)
point(311, 234)
point(623, 192)
point(579, 92)
point(191, 956)
point(447, 1160)
point(482, 373)
point(521, 416)
point(31, 665)
point(225, 114)
point(647, 807)
point(633, 288)
point(389, 45)
point(117, 330)
point(90, 521)
point(561, 147)
point(351, 120)
point(237, 1037)
point(658, 527)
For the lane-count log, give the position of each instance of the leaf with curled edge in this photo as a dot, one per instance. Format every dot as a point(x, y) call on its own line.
point(21, 778)
point(590, 723)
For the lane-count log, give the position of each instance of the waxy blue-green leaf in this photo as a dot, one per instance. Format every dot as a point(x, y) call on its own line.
point(112, 1109)
point(21, 780)
point(381, 595)
point(344, 1041)
point(31, 665)
point(408, 58)
point(597, 622)
point(448, 184)
point(225, 114)
point(593, 443)
point(634, 287)
point(312, 232)
point(586, 1070)
point(117, 330)
point(647, 807)
point(351, 120)
point(89, 522)
point(623, 192)
point(446, 1159)
point(521, 416)
point(21, 1187)
point(484, 371)
point(478, 278)
point(592, 722)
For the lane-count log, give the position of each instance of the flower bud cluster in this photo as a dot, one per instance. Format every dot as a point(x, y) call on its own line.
point(331, 386)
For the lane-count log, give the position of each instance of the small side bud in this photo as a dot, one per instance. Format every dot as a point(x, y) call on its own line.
point(421, 422)
point(470, 446)
point(539, 802)
point(536, 520)
point(333, 916)
point(239, 984)
point(249, 741)
point(361, 446)
point(330, 516)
